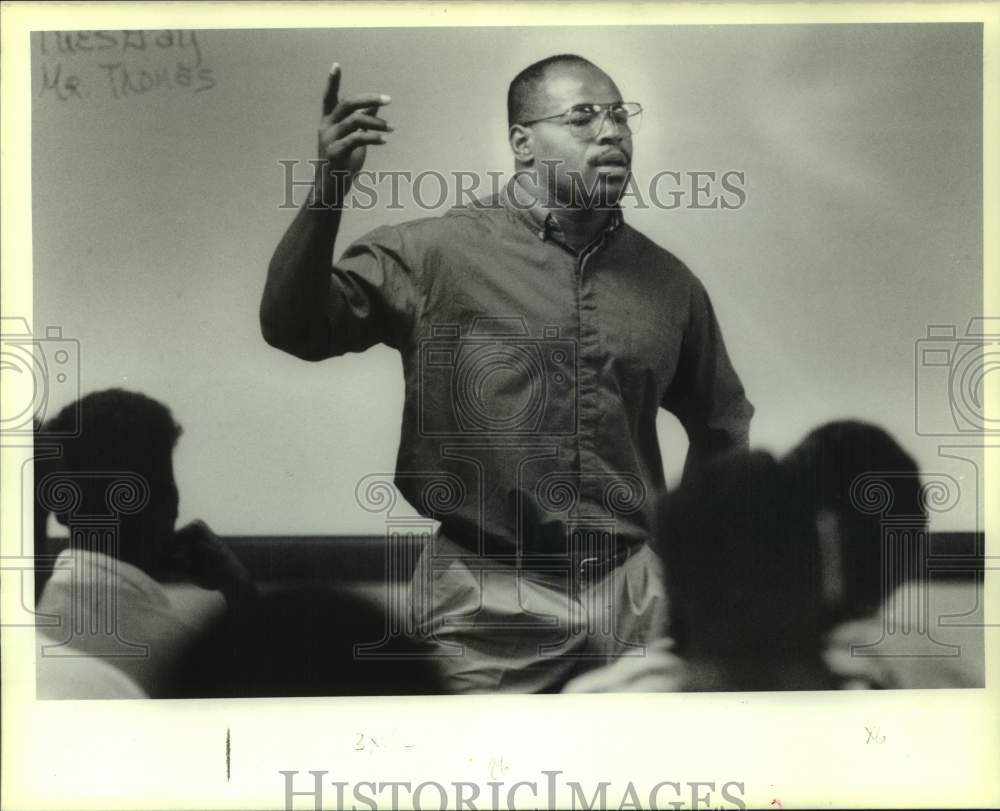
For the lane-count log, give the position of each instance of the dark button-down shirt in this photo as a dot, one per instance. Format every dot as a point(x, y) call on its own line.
point(534, 372)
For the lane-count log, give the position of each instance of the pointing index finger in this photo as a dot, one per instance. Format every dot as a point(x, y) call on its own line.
point(332, 89)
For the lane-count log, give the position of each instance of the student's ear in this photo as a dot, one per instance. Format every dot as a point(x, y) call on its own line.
point(521, 144)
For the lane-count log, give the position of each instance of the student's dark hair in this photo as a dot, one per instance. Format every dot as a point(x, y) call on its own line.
point(742, 563)
point(840, 466)
point(116, 430)
point(525, 85)
point(103, 436)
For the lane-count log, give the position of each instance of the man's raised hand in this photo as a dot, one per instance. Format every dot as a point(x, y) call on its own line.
point(347, 128)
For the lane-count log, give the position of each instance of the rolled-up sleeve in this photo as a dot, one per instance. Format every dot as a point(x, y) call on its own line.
point(706, 394)
point(373, 293)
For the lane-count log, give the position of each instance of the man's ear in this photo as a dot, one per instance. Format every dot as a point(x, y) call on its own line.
point(521, 144)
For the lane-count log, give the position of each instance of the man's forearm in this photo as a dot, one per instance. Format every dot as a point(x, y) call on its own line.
point(293, 309)
point(293, 306)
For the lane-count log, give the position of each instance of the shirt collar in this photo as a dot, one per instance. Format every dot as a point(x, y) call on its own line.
point(543, 221)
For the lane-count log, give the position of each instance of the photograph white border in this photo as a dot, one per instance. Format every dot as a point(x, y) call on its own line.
point(940, 747)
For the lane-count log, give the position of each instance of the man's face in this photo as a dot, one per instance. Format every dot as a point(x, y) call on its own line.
point(600, 162)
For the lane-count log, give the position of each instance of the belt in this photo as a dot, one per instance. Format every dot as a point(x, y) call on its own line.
point(592, 567)
point(582, 561)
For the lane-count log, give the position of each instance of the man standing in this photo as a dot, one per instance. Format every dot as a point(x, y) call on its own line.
point(539, 335)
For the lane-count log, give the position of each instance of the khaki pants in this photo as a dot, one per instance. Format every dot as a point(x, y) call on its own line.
point(495, 628)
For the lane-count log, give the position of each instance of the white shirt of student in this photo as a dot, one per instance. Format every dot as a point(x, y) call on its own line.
point(98, 608)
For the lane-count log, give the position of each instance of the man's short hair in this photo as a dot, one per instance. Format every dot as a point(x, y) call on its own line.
point(826, 468)
point(741, 562)
point(525, 85)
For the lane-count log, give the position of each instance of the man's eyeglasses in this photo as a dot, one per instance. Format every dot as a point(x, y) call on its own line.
point(587, 120)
